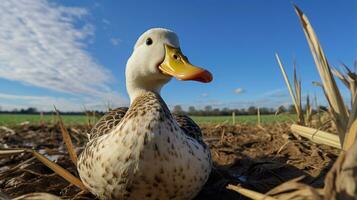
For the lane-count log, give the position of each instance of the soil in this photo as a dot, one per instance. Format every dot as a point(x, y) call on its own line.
point(256, 157)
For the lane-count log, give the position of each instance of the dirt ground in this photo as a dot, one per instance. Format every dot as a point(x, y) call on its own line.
point(256, 157)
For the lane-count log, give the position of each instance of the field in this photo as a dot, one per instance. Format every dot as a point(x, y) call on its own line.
point(256, 157)
point(16, 119)
point(266, 157)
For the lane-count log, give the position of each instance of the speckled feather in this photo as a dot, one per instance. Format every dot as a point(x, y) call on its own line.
point(106, 123)
point(147, 155)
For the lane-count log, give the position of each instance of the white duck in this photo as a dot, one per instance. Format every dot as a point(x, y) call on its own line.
point(145, 152)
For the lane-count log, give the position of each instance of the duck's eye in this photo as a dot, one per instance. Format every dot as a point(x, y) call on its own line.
point(176, 57)
point(148, 41)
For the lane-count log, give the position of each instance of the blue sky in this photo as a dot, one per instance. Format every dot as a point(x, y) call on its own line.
point(73, 53)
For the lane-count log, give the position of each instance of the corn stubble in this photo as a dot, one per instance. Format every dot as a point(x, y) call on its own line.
point(338, 111)
point(341, 181)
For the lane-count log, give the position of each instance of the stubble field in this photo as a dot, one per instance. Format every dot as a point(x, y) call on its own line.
point(256, 157)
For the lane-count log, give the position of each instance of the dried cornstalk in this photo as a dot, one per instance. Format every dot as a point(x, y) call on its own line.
point(308, 108)
point(317, 136)
point(349, 79)
point(249, 193)
point(294, 190)
point(37, 196)
point(258, 116)
point(42, 121)
point(55, 167)
point(352, 117)
point(10, 152)
point(67, 139)
point(297, 85)
point(332, 93)
point(340, 182)
point(290, 190)
point(295, 94)
point(351, 136)
point(59, 170)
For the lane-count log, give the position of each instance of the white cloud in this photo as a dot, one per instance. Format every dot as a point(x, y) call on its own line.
point(10, 101)
point(46, 103)
point(43, 45)
point(204, 94)
point(239, 91)
point(115, 41)
point(105, 21)
point(277, 93)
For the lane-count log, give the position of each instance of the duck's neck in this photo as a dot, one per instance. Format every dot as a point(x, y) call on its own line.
point(138, 88)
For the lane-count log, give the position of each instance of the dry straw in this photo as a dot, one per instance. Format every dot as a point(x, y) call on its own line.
point(55, 167)
point(67, 139)
point(342, 118)
point(339, 111)
point(38, 196)
point(295, 94)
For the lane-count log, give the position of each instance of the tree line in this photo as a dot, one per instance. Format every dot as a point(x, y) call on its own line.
point(252, 110)
point(192, 110)
point(32, 110)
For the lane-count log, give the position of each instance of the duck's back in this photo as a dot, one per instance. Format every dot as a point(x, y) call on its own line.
point(113, 117)
point(106, 123)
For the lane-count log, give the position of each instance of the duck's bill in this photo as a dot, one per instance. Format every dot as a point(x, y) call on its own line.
point(177, 65)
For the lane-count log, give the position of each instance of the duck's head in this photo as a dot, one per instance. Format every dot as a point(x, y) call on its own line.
point(157, 58)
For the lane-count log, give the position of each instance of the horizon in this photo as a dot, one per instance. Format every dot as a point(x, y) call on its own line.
point(73, 54)
point(177, 108)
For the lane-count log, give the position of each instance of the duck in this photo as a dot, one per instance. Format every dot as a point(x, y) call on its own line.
point(145, 151)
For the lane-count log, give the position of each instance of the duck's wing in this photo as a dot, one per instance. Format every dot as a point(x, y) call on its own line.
point(189, 127)
point(107, 122)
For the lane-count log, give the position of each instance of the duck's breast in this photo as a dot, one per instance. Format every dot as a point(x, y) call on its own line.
point(109, 162)
point(172, 165)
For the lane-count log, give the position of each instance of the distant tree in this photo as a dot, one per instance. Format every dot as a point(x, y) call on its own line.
point(252, 110)
point(208, 108)
point(226, 111)
point(236, 111)
point(271, 110)
point(216, 112)
point(292, 109)
point(281, 109)
point(241, 111)
point(177, 109)
point(264, 111)
point(31, 110)
point(210, 111)
point(192, 110)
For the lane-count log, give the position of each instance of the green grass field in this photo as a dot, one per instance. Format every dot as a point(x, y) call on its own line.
point(251, 119)
point(16, 119)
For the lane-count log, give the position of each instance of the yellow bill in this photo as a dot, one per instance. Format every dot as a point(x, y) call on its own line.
point(177, 65)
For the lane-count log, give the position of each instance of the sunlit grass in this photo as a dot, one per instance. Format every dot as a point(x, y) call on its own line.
point(250, 119)
point(16, 119)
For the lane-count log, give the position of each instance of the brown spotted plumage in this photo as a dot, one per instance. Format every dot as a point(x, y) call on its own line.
point(114, 116)
point(148, 154)
point(144, 151)
point(189, 127)
point(107, 122)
